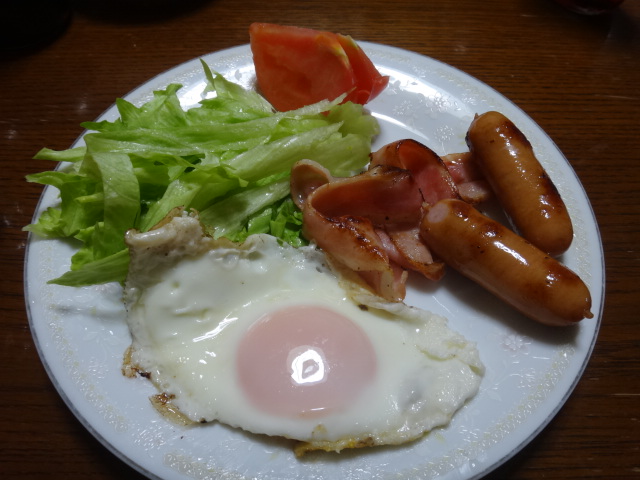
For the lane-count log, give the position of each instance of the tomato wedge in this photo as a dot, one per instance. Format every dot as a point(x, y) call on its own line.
point(369, 83)
point(298, 66)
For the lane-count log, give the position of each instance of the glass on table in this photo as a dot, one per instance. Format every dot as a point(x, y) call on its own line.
point(31, 23)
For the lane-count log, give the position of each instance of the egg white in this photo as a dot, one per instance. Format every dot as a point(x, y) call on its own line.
point(190, 300)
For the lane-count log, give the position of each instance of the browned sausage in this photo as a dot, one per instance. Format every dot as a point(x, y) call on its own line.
point(505, 264)
point(520, 183)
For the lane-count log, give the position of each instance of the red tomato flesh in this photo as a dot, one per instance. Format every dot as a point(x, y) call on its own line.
point(299, 66)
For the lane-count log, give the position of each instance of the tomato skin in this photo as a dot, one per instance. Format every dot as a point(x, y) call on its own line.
point(369, 82)
point(298, 66)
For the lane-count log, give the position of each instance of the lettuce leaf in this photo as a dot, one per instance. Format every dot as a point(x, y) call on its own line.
point(229, 158)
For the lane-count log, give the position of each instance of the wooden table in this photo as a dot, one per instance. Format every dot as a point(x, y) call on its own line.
point(578, 77)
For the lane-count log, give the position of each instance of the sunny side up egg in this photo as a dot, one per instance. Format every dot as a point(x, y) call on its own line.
point(264, 337)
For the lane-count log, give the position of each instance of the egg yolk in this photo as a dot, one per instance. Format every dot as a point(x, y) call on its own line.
point(304, 361)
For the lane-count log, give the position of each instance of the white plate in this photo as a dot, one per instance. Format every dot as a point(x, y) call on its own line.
point(531, 370)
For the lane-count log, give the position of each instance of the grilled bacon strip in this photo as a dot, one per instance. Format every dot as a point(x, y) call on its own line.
point(472, 186)
point(343, 217)
point(428, 169)
point(370, 222)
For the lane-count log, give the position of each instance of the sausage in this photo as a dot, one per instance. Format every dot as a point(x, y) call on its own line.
point(504, 263)
point(520, 183)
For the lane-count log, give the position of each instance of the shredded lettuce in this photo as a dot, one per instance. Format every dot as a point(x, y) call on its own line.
point(229, 158)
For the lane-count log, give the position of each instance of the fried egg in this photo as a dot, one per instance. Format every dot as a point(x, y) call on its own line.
point(265, 337)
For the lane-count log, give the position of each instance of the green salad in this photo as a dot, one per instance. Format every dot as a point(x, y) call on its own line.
point(229, 158)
